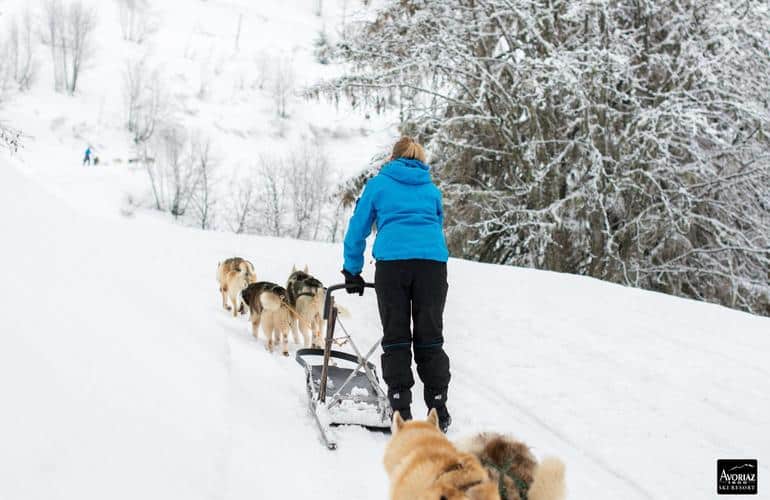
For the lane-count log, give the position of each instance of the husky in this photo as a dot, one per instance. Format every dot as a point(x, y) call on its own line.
point(306, 298)
point(268, 304)
point(234, 275)
point(514, 469)
point(422, 464)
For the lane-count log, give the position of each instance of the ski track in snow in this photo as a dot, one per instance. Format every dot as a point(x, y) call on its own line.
point(528, 418)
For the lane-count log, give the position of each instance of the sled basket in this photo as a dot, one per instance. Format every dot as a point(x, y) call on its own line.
point(343, 388)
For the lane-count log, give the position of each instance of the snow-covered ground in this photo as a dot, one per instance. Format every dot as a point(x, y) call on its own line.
point(122, 377)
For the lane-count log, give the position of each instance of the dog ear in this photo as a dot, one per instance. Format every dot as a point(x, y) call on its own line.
point(397, 424)
point(433, 417)
point(294, 268)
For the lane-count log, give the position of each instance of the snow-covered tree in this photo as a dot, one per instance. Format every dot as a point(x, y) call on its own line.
point(68, 30)
point(17, 62)
point(282, 84)
point(145, 101)
point(137, 20)
point(240, 205)
point(10, 138)
point(624, 139)
point(204, 198)
point(171, 170)
point(308, 175)
point(273, 188)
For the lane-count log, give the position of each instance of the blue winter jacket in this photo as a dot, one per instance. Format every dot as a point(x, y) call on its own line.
point(406, 208)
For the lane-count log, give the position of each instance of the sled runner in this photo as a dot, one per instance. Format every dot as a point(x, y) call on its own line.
point(343, 388)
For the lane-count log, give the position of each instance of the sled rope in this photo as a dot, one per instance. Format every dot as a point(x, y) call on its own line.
point(503, 471)
point(344, 340)
point(339, 343)
point(296, 314)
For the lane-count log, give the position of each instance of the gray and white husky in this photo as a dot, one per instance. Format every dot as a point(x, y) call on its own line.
point(306, 297)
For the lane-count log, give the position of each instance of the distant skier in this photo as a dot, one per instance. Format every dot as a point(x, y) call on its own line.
point(410, 277)
point(87, 157)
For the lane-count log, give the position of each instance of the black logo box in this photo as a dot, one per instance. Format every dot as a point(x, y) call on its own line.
point(737, 477)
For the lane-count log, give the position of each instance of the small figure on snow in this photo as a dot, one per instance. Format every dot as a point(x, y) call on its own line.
point(87, 158)
point(410, 277)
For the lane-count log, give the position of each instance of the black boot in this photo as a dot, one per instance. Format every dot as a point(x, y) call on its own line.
point(444, 418)
point(401, 402)
point(406, 413)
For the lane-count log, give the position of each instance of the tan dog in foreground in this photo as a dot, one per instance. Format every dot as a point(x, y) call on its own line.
point(234, 275)
point(422, 464)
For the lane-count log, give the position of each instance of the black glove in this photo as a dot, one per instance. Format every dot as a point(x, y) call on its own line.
point(356, 280)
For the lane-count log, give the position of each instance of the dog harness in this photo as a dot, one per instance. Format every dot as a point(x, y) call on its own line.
point(303, 280)
point(503, 471)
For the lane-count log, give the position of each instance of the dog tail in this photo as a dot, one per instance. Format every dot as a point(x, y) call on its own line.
point(342, 312)
point(548, 482)
point(270, 301)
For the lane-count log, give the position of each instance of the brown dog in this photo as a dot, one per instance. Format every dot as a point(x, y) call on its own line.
point(268, 304)
point(423, 464)
point(234, 275)
point(514, 469)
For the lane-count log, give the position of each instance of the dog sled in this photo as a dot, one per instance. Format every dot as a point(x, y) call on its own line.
point(343, 388)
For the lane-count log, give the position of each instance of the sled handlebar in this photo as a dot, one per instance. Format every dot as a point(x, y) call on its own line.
point(334, 288)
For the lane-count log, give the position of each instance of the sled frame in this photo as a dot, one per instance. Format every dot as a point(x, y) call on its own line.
point(320, 402)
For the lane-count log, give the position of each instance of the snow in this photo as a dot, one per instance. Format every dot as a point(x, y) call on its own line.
point(194, 49)
point(122, 376)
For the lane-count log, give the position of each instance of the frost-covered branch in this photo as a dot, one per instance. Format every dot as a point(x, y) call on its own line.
point(624, 140)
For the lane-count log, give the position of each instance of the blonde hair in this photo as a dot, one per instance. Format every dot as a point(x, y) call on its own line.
point(406, 147)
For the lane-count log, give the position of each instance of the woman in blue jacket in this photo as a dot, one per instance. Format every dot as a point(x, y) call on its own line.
point(410, 278)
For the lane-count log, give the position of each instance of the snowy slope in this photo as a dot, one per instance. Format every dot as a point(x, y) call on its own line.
point(122, 377)
point(209, 88)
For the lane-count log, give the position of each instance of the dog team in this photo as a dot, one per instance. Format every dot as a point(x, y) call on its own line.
point(421, 463)
point(298, 307)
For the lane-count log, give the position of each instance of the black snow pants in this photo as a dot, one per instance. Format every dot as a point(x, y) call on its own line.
point(413, 291)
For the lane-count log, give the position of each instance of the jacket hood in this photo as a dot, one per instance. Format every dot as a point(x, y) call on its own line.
point(407, 171)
